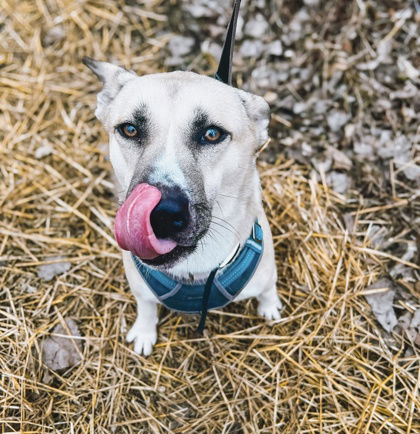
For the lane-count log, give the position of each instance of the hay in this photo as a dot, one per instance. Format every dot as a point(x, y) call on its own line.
point(325, 367)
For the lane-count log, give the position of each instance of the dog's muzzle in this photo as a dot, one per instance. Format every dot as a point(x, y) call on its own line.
point(158, 224)
point(133, 224)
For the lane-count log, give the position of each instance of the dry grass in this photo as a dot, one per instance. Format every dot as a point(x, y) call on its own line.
point(325, 367)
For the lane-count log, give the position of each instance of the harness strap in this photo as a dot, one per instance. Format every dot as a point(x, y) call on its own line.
point(222, 285)
point(205, 304)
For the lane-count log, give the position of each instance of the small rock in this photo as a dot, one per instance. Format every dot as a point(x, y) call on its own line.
point(409, 91)
point(306, 73)
point(43, 151)
point(407, 68)
point(198, 11)
point(321, 106)
point(403, 15)
point(349, 130)
point(348, 222)
point(388, 148)
point(179, 46)
point(251, 48)
point(275, 48)
point(265, 77)
point(381, 303)
point(55, 34)
point(404, 320)
point(30, 289)
point(334, 83)
point(216, 32)
point(62, 352)
point(408, 113)
point(340, 159)
point(212, 48)
point(408, 166)
point(384, 104)
point(377, 236)
point(412, 171)
point(402, 271)
point(48, 271)
point(384, 50)
point(206, 8)
point(260, 3)
point(271, 97)
point(340, 182)
point(415, 327)
point(363, 149)
point(256, 27)
point(409, 325)
point(300, 107)
point(298, 21)
point(282, 76)
point(307, 150)
point(336, 120)
point(322, 164)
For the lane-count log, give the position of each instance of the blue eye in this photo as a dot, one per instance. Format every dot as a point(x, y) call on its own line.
point(128, 131)
point(213, 135)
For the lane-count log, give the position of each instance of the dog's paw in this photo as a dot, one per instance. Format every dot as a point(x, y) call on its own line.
point(143, 339)
point(270, 311)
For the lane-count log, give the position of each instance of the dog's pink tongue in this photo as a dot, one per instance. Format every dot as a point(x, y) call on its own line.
point(133, 230)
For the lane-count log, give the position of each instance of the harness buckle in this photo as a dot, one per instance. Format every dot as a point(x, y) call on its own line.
point(257, 234)
point(230, 257)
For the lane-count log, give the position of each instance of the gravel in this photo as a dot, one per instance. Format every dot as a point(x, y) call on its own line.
point(49, 271)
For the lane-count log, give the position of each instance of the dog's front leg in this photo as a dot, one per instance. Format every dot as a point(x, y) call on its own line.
point(144, 333)
point(269, 304)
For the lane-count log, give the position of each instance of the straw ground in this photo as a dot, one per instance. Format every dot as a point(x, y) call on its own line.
point(325, 367)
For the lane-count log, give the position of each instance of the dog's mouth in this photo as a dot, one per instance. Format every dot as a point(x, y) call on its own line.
point(172, 257)
point(133, 228)
point(158, 229)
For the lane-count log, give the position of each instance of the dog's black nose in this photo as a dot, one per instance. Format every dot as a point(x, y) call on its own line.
point(170, 216)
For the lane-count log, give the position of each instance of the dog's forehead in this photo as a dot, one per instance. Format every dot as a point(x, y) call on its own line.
point(178, 95)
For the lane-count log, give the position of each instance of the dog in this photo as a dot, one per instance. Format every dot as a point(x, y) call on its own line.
point(183, 149)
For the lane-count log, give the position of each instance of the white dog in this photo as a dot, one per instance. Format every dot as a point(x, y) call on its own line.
point(183, 147)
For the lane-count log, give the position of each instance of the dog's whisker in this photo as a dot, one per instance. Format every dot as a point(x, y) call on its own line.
point(235, 234)
point(224, 220)
point(223, 226)
point(213, 234)
point(233, 229)
point(229, 196)
point(220, 207)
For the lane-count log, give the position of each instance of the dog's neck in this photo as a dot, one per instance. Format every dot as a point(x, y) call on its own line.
point(233, 218)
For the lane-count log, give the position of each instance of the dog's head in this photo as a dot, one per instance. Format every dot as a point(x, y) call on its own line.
point(192, 137)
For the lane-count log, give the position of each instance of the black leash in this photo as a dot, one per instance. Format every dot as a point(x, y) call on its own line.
point(205, 305)
point(224, 72)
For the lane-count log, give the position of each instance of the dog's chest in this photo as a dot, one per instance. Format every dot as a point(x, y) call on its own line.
point(221, 287)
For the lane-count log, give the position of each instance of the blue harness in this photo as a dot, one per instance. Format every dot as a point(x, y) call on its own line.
point(222, 286)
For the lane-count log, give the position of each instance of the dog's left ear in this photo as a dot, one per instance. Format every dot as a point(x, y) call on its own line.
point(258, 112)
point(113, 78)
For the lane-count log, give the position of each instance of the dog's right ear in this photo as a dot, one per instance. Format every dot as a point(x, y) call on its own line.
point(113, 77)
point(258, 112)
